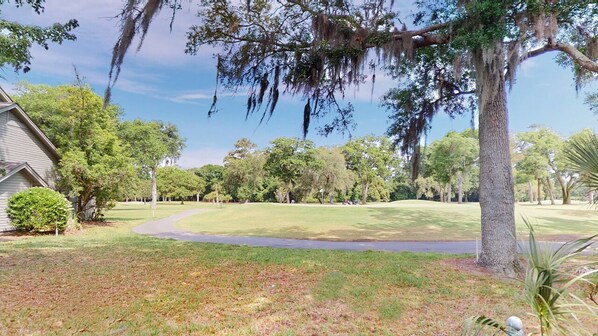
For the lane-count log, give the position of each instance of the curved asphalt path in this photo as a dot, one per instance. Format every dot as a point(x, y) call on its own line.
point(165, 228)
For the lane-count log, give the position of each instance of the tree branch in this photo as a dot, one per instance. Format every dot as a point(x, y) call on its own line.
point(578, 57)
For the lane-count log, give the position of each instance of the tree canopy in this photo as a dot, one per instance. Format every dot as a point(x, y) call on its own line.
point(17, 39)
point(93, 164)
point(151, 144)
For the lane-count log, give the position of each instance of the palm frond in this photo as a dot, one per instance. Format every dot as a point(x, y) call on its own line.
point(584, 158)
point(549, 283)
point(477, 325)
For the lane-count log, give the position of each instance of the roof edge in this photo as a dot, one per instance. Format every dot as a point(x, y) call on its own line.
point(32, 173)
point(32, 126)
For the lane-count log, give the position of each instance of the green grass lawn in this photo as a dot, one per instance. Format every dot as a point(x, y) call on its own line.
point(108, 280)
point(403, 220)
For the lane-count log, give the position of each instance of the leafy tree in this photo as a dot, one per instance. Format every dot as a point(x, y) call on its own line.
point(93, 163)
point(288, 159)
point(177, 183)
point(451, 157)
point(17, 39)
point(151, 144)
point(318, 48)
point(369, 158)
point(244, 171)
point(333, 176)
point(545, 142)
point(213, 175)
point(426, 186)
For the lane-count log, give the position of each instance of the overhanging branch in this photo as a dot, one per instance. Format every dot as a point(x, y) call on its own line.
point(578, 57)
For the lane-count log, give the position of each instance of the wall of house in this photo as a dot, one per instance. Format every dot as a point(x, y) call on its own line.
point(13, 184)
point(19, 144)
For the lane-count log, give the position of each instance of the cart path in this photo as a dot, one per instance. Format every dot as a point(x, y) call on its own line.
point(165, 228)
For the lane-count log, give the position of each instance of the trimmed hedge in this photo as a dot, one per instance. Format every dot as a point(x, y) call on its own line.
point(39, 210)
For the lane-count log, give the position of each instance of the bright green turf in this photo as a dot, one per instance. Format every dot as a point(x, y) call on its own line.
point(403, 220)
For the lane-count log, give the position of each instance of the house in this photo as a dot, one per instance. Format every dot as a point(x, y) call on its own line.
point(27, 157)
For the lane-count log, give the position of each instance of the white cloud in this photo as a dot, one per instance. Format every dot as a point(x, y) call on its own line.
point(199, 157)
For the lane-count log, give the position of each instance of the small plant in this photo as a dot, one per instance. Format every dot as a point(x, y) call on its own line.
point(549, 285)
point(39, 210)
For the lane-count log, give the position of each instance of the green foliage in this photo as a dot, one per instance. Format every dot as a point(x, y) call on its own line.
point(583, 158)
point(290, 160)
point(333, 176)
point(549, 285)
point(370, 158)
point(38, 209)
point(17, 39)
point(244, 171)
point(151, 143)
point(213, 175)
point(93, 163)
point(177, 183)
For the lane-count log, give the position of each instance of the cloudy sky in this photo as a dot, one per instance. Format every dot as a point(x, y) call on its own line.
point(161, 82)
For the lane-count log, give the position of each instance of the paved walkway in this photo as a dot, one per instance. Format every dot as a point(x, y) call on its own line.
point(164, 228)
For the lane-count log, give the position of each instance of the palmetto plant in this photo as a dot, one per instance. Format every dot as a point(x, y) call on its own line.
point(584, 158)
point(551, 281)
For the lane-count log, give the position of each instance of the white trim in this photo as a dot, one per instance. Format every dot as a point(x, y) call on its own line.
point(32, 174)
point(4, 96)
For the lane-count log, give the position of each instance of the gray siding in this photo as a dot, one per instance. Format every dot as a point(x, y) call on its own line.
point(13, 184)
point(19, 144)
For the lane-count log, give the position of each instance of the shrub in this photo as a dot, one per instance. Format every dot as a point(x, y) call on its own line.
point(38, 210)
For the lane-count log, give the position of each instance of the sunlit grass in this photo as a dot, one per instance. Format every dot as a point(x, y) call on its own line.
point(108, 280)
point(404, 220)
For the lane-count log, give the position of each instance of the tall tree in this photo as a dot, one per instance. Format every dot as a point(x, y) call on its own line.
point(213, 175)
point(370, 158)
point(17, 39)
point(93, 166)
point(548, 144)
point(333, 176)
point(244, 172)
point(451, 158)
point(150, 144)
point(317, 48)
point(176, 183)
point(288, 159)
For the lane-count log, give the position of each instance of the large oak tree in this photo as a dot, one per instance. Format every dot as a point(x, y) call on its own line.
point(318, 48)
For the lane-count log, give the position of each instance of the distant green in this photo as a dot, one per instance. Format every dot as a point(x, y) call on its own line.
point(403, 220)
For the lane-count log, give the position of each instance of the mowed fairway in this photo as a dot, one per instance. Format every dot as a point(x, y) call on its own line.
point(403, 220)
point(107, 280)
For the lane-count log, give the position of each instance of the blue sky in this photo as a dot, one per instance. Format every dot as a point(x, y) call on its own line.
point(160, 82)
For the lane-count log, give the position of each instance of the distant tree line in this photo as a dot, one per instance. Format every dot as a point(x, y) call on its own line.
point(105, 159)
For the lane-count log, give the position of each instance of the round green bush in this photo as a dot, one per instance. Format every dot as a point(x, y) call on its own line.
point(38, 210)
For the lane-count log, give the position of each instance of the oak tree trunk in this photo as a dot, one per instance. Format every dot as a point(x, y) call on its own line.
point(449, 191)
point(530, 191)
point(364, 197)
point(497, 195)
point(550, 191)
point(460, 187)
point(539, 190)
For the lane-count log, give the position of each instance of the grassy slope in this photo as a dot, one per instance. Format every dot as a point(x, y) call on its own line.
point(109, 280)
point(405, 220)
